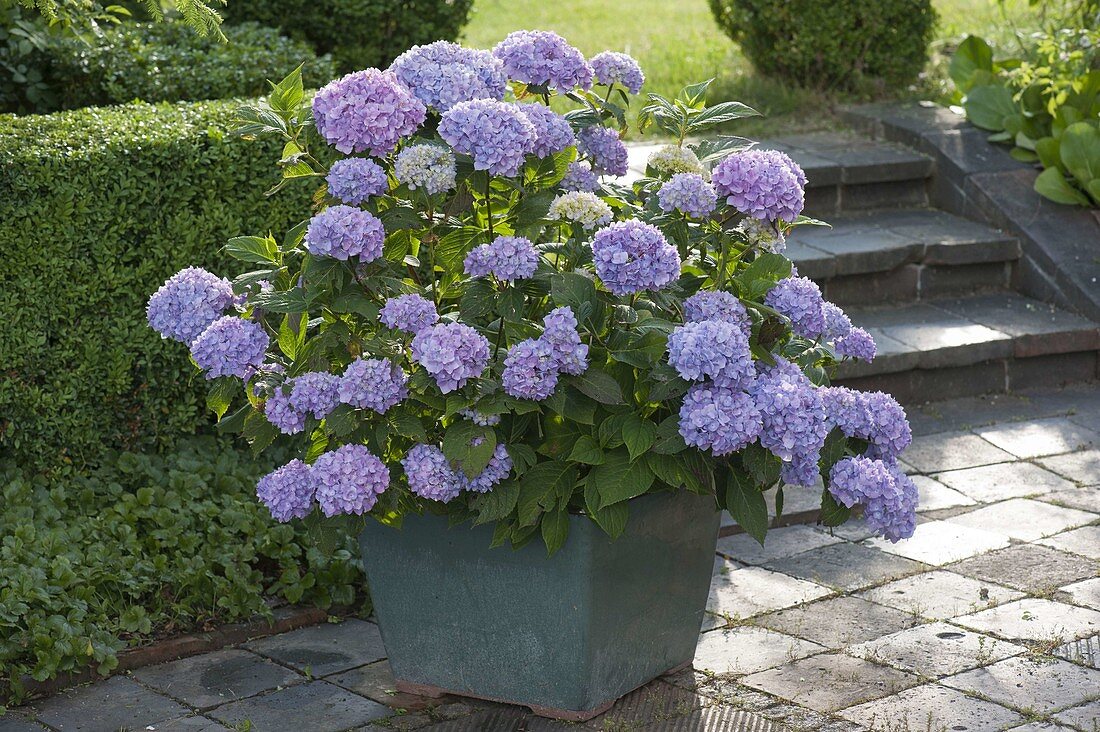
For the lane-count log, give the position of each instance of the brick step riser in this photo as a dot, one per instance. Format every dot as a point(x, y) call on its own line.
point(916, 282)
point(823, 201)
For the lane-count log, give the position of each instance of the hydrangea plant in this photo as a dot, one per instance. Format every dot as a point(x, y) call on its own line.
point(482, 320)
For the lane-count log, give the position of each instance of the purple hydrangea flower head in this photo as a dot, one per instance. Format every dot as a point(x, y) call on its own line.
point(349, 480)
point(837, 324)
point(763, 235)
point(567, 352)
point(553, 132)
point(497, 135)
point(612, 67)
point(721, 419)
point(801, 470)
point(366, 111)
point(604, 149)
point(452, 353)
point(426, 166)
point(287, 491)
point(354, 180)
point(687, 192)
point(800, 300)
point(343, 232)
point(500, 465)
point(632, 256)
point(508, 258)
point(579, 177)
point(886, 495)
point(896, 521)
point(230, 346)
point(529, 370)
point(188, 303)
point(543, 58)
point(765, 184)
point(889, 432)
point(281, 412)
point(482, 420)
point(856, 343)
point(793, 412)
point(315, 392)
point(442, 74)
point(711, 349)
point(717, 305)
point(847, 409)
point(410, 313)
point(374, 383)
point(429, 474)
point(585, 209)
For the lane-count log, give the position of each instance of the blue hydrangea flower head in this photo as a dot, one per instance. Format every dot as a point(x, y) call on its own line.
point(530, 371)
point(764, 184)
point(366, 111)
point(717, 305)
point(452, 353)
point(632, 256)
point(887, 497)
point(543, 58)
point(889, 432)
point(604, 149)
point(410, 313)
point(567, 353)
point(793, 412)
point(800, 300)
point(508, 258)
point(287, 491)
point(429, 474)
point(343, 232)
point(856, 343)
point(500, 465)
point(582, 208)
point(612, 67)
point(373, 383)
point(442, 74)
point(579, 177)
point(689, 193)
point(837, 323)
point(711, 349)
point(315, 393)
point(553, 133)
point(281, 412)
point(349, 480)
point(722, 419)
point(231, 346)
point(354, 180)
point(482, 420)
point(426, 166)
point(188, 303)
point(497, 135)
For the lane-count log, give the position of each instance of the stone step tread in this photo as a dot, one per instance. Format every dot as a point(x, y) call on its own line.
point(884, 240)
point(967, 330)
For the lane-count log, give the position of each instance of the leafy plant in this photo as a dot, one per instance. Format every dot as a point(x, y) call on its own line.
point(83, 16)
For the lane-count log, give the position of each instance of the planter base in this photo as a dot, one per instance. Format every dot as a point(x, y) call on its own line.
point(565, 715)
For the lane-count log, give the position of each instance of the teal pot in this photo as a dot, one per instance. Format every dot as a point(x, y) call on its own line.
point(565, 635)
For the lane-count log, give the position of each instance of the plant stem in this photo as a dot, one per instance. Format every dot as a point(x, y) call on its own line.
point(489, 205)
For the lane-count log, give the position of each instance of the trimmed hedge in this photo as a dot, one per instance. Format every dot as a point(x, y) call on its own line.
point(846, 44)
point(358, 33)
point(97, 208)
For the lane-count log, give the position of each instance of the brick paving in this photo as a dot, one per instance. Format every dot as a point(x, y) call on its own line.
point(988, 619)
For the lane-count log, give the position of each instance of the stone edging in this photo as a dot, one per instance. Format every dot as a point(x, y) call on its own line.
point(979, 180)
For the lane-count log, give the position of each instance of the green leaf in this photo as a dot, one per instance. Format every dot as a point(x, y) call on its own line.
point(720, 114)
point(1053, 185)
point(987, 106)
point(341, 421)
point(588, 451)
point(572, 405)
point(523, 457)
point(541, 487)
point(619, 479)
point(356, 302)
point(833, 513)
point(287, 95)
point(972, 55)
point(761, 464)
point(611, 431)
point(746, 504)
point(640, 351)
point(639, 435)
point(612, 519)
point(258, 249)
point(555, 530)
point(221, 393)
point(576, 291)
point(460, 448)
point(292, 336)
point(453, 248)
point(497, 504)
point(258, 431)
point(598, 385)
point(290, 301)
point(669, 440)
point(1080, 147)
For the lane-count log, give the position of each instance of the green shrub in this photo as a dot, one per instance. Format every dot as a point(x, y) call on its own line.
point(845, 44)
point(97, 207)
point(149, 545)
point(358, 33)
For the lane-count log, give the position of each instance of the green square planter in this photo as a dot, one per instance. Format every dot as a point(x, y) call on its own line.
point(566, 635)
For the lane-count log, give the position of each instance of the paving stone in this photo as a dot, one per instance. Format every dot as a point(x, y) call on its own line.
point(940, 338)
point(1083, 651)
point(1024, 519)
point(854, 530)
point(829, 682)
point(326, 649)
point(210, 679)
point(747, 649)
point(934, 496)
point(723, 689)
point(503, 719)
point(795, 717)
point(839, 621)
point(1023, 683)
point(1027, 567)
point(1085, 499)
point(1086, 593)
point(375, 681)
point(932, 707)
point(1035, 620)
point(108, 705)
point(1040, 437)
point(782, 542)
point(935, 649)
point(952, 451)
point(1001, 481)
point(941, 542)
point(714, 719)
point(1083, 467)
point(753, 590)
point(860, 249)
point(1037, 327)
point(18, 723)
point(845, 566)
point(1085, 717)
point(317, 706)
point(940, 594)
point(653, 702)
point(1042, 727)
point(189, 724)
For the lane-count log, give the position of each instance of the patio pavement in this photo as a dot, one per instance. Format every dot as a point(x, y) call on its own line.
point(988, 619)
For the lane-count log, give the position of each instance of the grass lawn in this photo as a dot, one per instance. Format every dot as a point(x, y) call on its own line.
point(679, 43)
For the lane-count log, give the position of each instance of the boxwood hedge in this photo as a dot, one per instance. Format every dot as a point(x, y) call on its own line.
point(97, 207)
